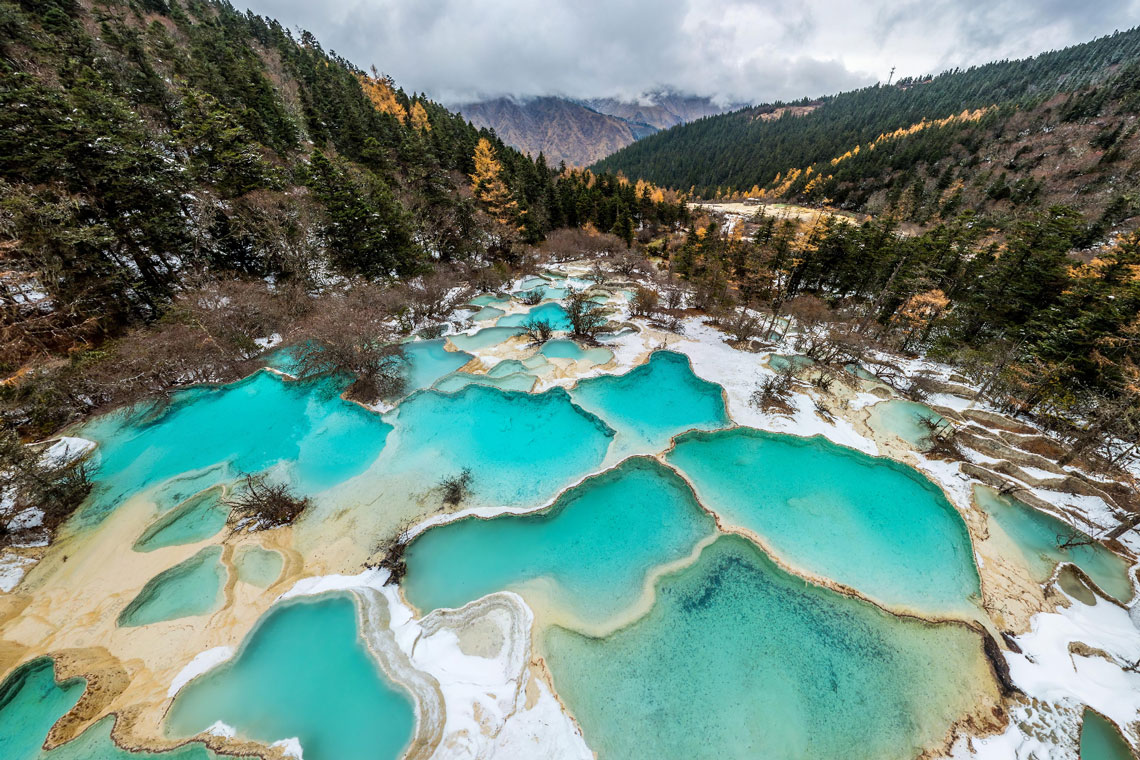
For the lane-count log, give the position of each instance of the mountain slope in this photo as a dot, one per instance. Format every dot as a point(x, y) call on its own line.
point(582, 132)
point(147, 143)
point(661, 110)
point(748, 148)
point(560, 129)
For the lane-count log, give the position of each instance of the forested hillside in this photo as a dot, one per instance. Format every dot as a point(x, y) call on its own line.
point(150, 146)
point(1058, 127)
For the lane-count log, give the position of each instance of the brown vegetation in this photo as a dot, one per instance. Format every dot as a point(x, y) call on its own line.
point(261, 505)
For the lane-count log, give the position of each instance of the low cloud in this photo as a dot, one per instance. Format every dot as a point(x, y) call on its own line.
point(733, 50)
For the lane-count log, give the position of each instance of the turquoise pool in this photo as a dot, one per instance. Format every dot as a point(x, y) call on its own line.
point(248, 426)
point(521, 448)
point(1036, 534)
point(568, 349)
point(551, 313)
point(738, 659)
point(651, 403)
point(588, 556)
point(872, 524)
point(303, 672)
point(1101, 741)
point(904, 419)
point(429, 360)
point(190, 588)
point(196, 519)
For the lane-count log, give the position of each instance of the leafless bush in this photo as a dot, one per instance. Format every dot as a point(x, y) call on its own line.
point(57, 488)
point(918, 388)
point(393, 554)
point(823, 380)
point(586, 317)
point(675, 298)
point(430, 298)
point(260, 505)
point(353, 335)
point(597, 275)
point(823, 410)
point(456, 488)
point(644, 302)
point(570, 244)
point(537, 331)
point(743, 326)
point(531, 297)
point(773, 393)
point(628, 263)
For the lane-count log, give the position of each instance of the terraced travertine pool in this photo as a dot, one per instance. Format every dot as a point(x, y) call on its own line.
point(190, 588)
point(587, 558)
point(740, 659)
point(250, 426)
point(1037, 534)
point(698, 588)
point(871, 524)
point(303, 673)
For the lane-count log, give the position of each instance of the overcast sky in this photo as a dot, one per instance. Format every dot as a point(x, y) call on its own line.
point(734, 50)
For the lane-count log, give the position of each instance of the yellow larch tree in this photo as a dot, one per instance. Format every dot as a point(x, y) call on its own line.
point(381, 91)
point(487, 184)
point(420, 118)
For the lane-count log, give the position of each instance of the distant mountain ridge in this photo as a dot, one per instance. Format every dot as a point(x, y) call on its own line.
point(585, 131)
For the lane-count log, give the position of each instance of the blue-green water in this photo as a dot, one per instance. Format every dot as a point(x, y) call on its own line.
point(487, 313)
point(533, 281)
point(551, 313)
point(872, 524)
point(738, 659)
point(1101, 741)
point(31, 701)
point(904, 419)
point(196, 519)
point(429, 360)
point(1038, 535)
point(249, 426)
point(651, 403)
point(489, 299)
point(193, 587)
point(568, 349)
point(522, 448)
point(485, 338)
point(303, 672)
point(545, 292)
point(780, 362)
point(257, 566)
point(589, 554)
point(518, 381)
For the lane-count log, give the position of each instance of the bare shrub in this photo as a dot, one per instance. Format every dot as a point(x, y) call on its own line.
point(597, 275)
point(456, 488)
point(628, 263)
point(261, 505)
point(743, 326)
point(353, 335)
point(773, 393)
point(822, 409)
point(570, 244)
point(644, 302)
point(918, 388)
point(28, 480)
point(429, 298)
point(586, 317)
point(537, 331)
point(531, 297)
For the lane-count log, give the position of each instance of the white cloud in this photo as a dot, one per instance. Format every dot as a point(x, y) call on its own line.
point(735, 50)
